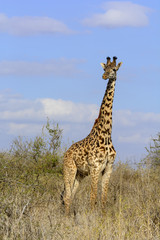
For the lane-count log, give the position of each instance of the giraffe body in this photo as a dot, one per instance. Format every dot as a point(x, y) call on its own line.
point(95, 154)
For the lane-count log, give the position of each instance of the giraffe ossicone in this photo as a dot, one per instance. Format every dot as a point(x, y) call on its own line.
point(95, 154)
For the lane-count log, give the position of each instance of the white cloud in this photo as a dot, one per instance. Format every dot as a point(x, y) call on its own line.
point(120, 14)
point(135, 138)
point(24, 117)
point(56, 67)
point(123, 118)
point(29, 25)
point(132, 131)
point(135, 127)
point(28, 129)
point(69, 111)
point(24, 110)
point(131, 119)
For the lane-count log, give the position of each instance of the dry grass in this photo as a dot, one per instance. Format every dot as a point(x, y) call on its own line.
point(30, 208)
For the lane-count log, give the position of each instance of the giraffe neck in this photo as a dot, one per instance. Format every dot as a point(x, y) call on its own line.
point(104, 121)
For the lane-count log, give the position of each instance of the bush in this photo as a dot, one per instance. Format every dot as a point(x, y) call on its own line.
point(153, 158)
point(48, 142)
point(31, 159)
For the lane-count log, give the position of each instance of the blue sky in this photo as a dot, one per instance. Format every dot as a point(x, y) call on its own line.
point(50, 67)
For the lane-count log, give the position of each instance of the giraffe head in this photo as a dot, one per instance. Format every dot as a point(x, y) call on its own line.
point(110, 68)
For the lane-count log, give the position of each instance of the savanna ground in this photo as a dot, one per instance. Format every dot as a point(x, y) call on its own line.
point(31, 183)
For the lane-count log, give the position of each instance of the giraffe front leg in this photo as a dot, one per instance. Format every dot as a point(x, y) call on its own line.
point(94, 186)
point(105, 180)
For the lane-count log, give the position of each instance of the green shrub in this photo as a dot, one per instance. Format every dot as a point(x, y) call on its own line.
point(29, 160)
point(152, 159)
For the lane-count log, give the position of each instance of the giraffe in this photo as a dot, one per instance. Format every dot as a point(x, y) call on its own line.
point(94, 154)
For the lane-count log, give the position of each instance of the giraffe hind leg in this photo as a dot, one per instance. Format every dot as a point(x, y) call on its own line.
point(70, 185)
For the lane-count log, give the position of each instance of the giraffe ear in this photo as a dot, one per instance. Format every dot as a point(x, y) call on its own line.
point(103, 65)
point(118, 66)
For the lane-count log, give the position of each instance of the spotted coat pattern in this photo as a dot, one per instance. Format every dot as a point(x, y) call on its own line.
point(94, 154)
